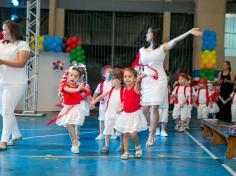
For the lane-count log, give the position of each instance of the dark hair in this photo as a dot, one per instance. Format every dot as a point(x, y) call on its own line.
point(117, 74)
point(228, 63)
point(184, 77)
point(131, 70)
point(156, 35)
point(15, 30)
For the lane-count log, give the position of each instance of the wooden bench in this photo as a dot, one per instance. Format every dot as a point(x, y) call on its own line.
point(219, 131)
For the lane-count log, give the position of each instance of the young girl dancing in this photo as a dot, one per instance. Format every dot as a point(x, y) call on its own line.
point(72, 113)
point(115, 99)
point(132, 119)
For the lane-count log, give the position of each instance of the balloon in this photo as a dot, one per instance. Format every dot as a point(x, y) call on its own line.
point(202, 66)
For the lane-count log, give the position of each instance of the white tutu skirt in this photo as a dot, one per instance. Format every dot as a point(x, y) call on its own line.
point(214, 109)
point(131, 122)
point(74, 116)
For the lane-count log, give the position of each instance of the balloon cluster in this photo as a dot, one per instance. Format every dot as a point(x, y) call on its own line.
point(72, 43)
point(41, 39)
point(1, 35)
point(56, 44)
point(52, 43)
point(58, 65)
point(208, 55)
point(77, 55)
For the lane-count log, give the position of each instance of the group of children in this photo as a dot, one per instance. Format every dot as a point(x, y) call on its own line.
point(203, 96)
point(120, 110)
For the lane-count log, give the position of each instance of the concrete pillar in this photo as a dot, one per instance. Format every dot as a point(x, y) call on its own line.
point(166, 35)
point(210, 14)
point(60, 22)
point(52, 17)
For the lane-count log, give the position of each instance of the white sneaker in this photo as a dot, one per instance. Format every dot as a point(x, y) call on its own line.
point(75, 148)
point(158, 132)
point(99, 137)
point(164, 133)
point(114, 136)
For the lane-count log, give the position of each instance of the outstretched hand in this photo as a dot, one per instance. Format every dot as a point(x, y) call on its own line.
point(196, 32)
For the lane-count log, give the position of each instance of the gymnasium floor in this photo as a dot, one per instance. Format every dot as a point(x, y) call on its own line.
point(45, 151)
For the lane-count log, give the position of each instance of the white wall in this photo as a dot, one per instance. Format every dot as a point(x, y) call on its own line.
point(48, 81)
point(233, 63)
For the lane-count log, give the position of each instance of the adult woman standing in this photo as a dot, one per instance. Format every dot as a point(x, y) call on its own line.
point(13, 56)
point(226, 79)
point(154, 85)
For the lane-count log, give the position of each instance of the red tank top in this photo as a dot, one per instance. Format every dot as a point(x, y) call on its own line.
point(131, 100)
point(71, 98)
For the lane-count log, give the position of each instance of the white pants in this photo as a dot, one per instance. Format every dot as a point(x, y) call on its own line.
point(181, 113)
point(202, 111)
point(9, 98)
point(233, 112)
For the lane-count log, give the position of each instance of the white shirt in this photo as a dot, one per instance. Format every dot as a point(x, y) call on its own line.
point(106, 87)
point(180, 95)
point(9, 51)
point(202, 96)
point(233, 100)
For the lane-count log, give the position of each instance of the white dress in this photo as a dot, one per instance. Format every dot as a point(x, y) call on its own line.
point(153, 91)
point(111, 116)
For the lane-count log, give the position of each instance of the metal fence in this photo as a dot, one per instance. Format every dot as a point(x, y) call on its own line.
point(111, 38)
point(181, 55)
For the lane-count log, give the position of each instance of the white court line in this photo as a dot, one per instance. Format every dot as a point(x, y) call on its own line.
point(51, 135)
point(229, 169)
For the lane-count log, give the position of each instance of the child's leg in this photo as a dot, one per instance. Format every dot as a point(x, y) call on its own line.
point(72, 134)
point(107, 140)
point(126, 142)
point(77, 131)
point(101, 126)
point(138, 149)
point(121, 148)
point(107, 144)
point(125, 155)
point(135, 138)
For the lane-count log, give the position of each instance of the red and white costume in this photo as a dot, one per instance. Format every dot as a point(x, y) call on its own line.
point(213, 107)
point(103, 87)
point(180, 93)
point(72, 111)
point(202, 102)
point(115, 99)
point(132, 118)
point(233, 106)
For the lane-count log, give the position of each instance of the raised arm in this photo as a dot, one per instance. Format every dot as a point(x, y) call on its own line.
point(19, 62)
point(73, 90)
point(169, 45)
point(137, 87)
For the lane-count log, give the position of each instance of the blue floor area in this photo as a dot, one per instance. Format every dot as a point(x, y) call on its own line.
point(45, 151)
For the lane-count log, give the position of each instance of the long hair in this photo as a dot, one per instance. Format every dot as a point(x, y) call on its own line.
point(228, 63)
point(156, 35)
point(15, 30)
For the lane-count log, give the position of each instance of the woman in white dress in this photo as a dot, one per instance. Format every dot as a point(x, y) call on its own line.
point(14, 53)
point(154, 85)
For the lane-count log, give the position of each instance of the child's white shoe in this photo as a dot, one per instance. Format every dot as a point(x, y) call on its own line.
point(158, 132)
point(164, 133)
point(99, 137)
point(75, 148)
point(114, 136)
